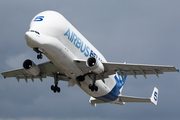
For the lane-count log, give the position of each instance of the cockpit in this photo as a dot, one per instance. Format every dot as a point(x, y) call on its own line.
point(35, 32)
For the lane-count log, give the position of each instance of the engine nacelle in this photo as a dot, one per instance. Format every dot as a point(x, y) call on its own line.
point(31, 67)
point(95, 65)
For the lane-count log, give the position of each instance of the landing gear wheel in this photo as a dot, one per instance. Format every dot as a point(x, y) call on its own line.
point(55, 88)
point(90, 86)
point(93, 87)
point(96, 88)
point(58, 89)
point(52, 87)
point(39, 56)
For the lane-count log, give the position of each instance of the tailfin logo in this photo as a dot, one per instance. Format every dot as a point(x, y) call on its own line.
point(119, 80)
point(155, 96)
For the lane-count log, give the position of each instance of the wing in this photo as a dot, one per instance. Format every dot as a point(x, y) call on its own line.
point(46, 69)
point(127, 69)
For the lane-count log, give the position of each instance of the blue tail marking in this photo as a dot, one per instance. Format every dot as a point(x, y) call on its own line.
point(119, 80)
point(114, 93)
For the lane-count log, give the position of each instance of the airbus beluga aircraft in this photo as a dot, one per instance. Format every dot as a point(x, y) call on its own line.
point(75, 60)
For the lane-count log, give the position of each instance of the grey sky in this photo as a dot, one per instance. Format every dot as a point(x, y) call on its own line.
point(141, 31)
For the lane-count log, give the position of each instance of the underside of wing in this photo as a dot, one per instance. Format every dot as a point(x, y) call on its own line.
point(128, 69)
point(21, 74)
point(45, 69)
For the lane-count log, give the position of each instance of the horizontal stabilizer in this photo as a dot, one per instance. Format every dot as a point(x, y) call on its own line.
point(93, 101)
point(153, 98)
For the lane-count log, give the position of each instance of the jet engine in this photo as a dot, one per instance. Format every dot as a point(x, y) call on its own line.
point(95, 65)
point(31, 67)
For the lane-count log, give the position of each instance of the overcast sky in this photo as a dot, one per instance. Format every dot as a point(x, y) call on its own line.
point(133, 31)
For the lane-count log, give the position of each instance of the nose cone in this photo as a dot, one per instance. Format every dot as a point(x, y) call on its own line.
point(31, 39)
point(27, 36)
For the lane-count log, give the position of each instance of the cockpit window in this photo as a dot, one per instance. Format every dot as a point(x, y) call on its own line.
point(35, 32)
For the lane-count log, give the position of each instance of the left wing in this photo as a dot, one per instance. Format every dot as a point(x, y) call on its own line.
point(127, 69)
point(46, 69)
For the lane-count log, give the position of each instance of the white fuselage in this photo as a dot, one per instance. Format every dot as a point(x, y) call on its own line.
point(62, 44)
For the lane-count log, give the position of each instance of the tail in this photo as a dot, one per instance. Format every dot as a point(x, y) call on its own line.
point(122, 99)
point(120, 81)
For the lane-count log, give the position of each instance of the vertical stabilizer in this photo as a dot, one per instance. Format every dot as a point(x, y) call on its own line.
point(154, 96)
point(120, 80)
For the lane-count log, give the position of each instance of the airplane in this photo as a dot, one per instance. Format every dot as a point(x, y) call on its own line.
point(75, 60)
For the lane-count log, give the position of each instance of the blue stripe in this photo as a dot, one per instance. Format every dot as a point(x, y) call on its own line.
point(114, 93)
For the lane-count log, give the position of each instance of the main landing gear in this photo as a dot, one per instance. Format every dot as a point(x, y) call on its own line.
point(55, 88)
point(39, 56)
point(92, 86)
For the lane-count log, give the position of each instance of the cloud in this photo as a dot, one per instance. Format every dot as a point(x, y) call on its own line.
point(16, 61)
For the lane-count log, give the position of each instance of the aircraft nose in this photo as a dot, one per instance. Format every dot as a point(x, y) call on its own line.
point(30, 38)
point(27, 35)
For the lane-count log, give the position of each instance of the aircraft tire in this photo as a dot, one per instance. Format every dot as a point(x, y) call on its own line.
point(93, 87)
point(55, 89)
point(52, 87)
point(96, 88)
point(58, 89)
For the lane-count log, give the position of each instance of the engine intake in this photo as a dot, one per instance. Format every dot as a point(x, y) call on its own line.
point(31, 68)
point(95, 65)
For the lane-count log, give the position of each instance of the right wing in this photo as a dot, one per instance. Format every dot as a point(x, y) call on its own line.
point(46, 69)
point(127, 69)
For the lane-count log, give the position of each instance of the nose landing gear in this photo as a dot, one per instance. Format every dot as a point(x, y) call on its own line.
point(39, 56)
